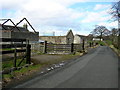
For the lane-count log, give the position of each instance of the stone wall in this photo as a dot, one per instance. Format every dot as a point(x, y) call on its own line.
point(54, 39)
point(77, 39)
point(69, 37)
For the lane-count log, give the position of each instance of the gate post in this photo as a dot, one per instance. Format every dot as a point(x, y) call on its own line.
point(15, 57)
point(45, 47)
point(83, 45)
point(90, 44)
point(28, 57)
point(72, 49)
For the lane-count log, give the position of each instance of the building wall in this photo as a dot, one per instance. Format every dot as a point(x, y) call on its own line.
point(77, 39)
point(22, 35)
point(97, 39)
point(69, 37)
point(5, 34)
point(54, 39)
point(60, 40)
point(26, 35)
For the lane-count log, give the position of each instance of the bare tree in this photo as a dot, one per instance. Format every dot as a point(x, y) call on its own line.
point(100, 31)
point(114, 32)
point(115, 12)
point(114, 35)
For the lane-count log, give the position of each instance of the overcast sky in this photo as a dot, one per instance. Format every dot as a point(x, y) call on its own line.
point(59, 16)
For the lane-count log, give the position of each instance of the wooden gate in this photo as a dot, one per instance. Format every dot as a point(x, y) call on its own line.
point(11, 45)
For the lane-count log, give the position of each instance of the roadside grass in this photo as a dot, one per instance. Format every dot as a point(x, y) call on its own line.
point(37, 52)
point(101, 43)
point(26, 70)
point(0, 65)
point(21, 71)
point(10, 63)
point(90, 41)
point(30, 70)
point(19, 75)
point(5, 49)
point(115, 49)
point(55, 61)
point(98, 42)
point(108, 42)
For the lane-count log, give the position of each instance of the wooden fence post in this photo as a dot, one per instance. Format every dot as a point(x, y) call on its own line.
point(15, 57)
point(90, 44)
point(93, 44)
point(72, 47)
point(28, 57)
point(45, 47)
point(83, 45)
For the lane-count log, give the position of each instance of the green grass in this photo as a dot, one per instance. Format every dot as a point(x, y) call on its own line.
point(27, 72)
point(7, 64)
point(7, 49)
point(97, 42)
point(90, 41)
point(109, 42)
point(115, 49)
point(7, 75)
point(0, 66)
point(26, 69)
point(10, 63)
point(101, 43)
point(23, 71)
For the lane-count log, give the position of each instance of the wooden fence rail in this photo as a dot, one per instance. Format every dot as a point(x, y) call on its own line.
point(12, 40)
point(62, 48)
point(14, 46)
point(69, 48)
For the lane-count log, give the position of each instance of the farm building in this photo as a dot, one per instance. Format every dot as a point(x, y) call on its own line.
point(9, 31)
point(79, 39)
point(67, 39)
point(97, 39)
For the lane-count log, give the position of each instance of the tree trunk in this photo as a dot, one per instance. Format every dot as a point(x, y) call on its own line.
point(119, 31)
point(101, 36)
point(119, 40)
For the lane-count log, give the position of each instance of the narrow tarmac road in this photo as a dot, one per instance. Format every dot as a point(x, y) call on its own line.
point(97, 69)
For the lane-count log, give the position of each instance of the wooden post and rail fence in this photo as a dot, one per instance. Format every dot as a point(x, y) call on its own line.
point(70, 48)
point(14, 46)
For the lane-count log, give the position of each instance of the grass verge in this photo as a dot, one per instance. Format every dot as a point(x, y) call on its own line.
point(19, 75)
point(115, 49)
point(10, 63)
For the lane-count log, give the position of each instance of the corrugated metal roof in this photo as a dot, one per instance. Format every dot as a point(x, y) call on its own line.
point(9, 27)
